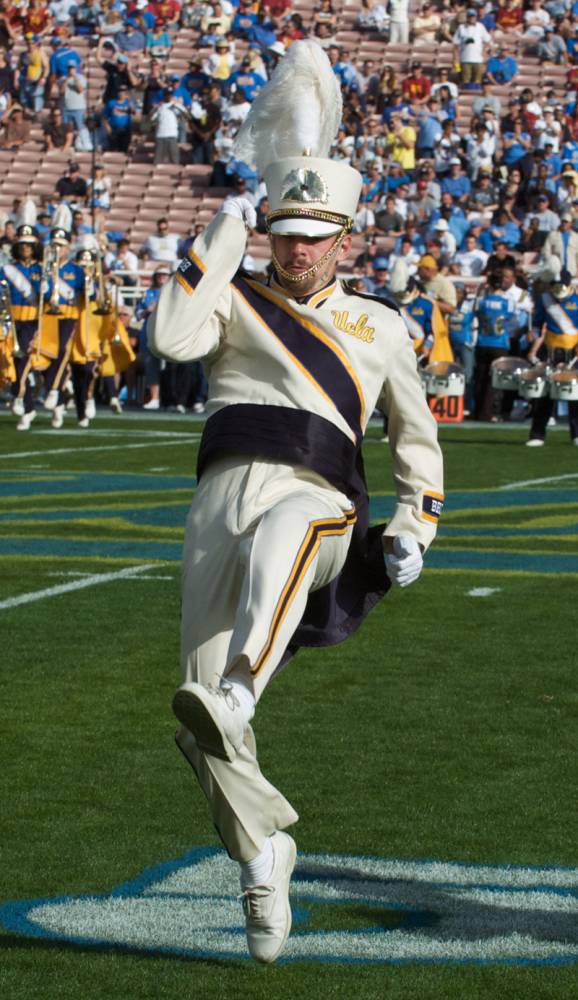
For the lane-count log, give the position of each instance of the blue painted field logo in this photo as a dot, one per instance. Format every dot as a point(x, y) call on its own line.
point(346, 909)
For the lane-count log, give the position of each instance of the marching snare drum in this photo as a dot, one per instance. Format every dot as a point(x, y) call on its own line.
point(445, 379)
point(505, 373)
point(533, 382)
point(564, 384)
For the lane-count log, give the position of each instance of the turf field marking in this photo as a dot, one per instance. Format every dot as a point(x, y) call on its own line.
point(103, 447)
point(79, 573)
point(483, 591)
point(401, 911)
point(65, 588)
point(537, 482)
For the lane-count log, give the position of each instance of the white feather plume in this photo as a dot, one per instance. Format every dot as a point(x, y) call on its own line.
point(62, 218)
point(399, 277)
point(27, 213)
point(299, 109)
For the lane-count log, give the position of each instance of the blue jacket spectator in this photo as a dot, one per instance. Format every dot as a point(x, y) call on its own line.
point(502, 67)
point(247, 80)
point(63, 57)
point(456, 182)
point(505, 231)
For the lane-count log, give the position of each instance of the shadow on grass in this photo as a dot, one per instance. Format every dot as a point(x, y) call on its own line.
point(15, 942)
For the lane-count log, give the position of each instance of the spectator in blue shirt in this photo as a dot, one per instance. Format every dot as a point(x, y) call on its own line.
point(505, 230)
point(245, 18)
point(192, 83)
point(118, 117)
point(502, 68)
point(63, 57)
point(130, 40)
point(572, 43)
point(517, 145)
point(247, 80)
point(457, 183)
point(344, 71)
point(552, 160)
point(428, 130)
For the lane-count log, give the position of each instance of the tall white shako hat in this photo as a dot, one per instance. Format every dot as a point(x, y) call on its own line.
point(61, 226)
point(26, 223)
point(86, 250)
point(287, 137)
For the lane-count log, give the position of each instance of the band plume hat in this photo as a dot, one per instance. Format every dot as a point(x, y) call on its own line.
point(287, 138)
point(26, 223)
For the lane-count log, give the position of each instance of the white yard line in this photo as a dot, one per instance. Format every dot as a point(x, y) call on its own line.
point(538, 482)
point(66, 588)
point(79, 573)
point(483, 591)
point(104, 447)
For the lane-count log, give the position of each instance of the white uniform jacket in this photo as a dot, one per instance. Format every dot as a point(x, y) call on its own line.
point(308, 373)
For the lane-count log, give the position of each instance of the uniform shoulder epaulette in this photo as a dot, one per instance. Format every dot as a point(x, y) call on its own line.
point(388, 301)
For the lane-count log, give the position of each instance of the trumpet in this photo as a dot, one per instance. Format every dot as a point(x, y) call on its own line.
point(7, 324)
point(50, 271)
point(103, 297)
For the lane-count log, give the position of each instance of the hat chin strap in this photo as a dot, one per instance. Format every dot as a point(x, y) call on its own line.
point(296, 279)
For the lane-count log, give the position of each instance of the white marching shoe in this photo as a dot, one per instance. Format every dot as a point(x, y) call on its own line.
point(51, 400)
point(90, 409)
point(84, 423)
point(535, 443)
point(58, 417)
point(18, 406)
point(25, 421)
point(153, 404)
point(266, 907)
point(115, 404)
point(214, 716)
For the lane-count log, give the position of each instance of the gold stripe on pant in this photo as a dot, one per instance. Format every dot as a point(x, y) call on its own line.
point(259, 537)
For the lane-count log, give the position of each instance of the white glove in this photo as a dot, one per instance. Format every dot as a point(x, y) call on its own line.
point(405, 565)
point(240, 208)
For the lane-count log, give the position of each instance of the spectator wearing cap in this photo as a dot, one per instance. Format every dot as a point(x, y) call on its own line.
point(63, 55)
point(416, 87)
point(246, 79)
point(245, 19)
point(33, 72)
point(130, 39)
point(57, 134)
point(471, 43)
point(158, 40)
point(71, 187)
point(426, 25)
point(436, 285)
point(118, 71)
point(422, 202)
point(377, 282)
point(166, 119)
point(548, 221)
point(552, 48)
point(401, 140)
point(98, 188)
point(429, 129)
point(193, 82)
point(86, 17)
point(72, 89)
point(501, 68)
point(219, 64)
point(446, 239)
point(118, 119)
point(486, 100)
point(480, 149)
point(454, 216)
point(562, 243)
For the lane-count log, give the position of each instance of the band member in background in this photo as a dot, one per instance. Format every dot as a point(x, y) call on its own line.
point(64, 305)
point(556, 344)
point(493, 310)
point(24, 280)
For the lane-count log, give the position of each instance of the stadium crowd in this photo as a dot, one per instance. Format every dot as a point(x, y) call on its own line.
point(470, 225)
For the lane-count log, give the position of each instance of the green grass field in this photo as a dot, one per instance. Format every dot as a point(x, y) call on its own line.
point(432, 758)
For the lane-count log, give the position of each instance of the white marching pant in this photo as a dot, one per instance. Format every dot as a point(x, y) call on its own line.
point(259, 538)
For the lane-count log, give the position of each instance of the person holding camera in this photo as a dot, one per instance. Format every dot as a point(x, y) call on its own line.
point(471, 44)
point(166, 118)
